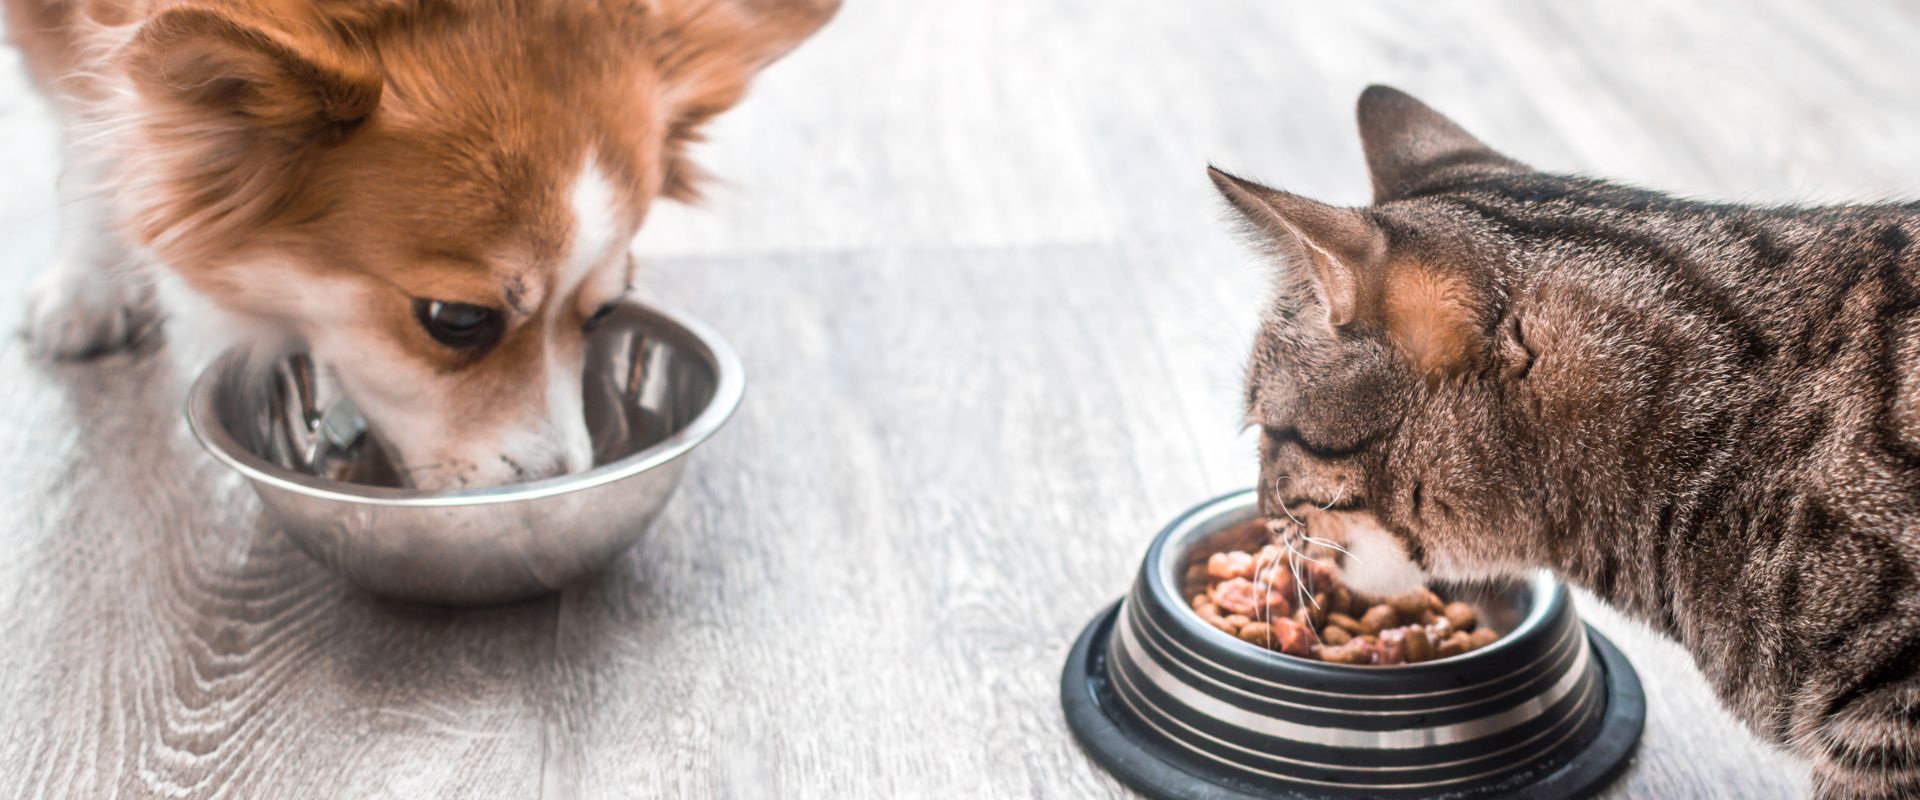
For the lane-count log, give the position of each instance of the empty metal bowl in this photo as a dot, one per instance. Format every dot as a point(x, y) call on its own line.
point(1177, 708)
point(657, 384)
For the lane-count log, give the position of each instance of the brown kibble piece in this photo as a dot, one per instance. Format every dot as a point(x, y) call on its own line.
point(1459, 615)
point(1236, 596)
point(1237, 620)
point(1409, 605)
point(1335, 635)
point(1427, 617)
point(1350, 653)
point(1291, 638)
point(1280, 589)
point(1259, 633)
point(1341, 601)
point(1379, 618)
point(1317, 609)
point(1343, 621)
point(1453, 646)
point(1418, 647)
point(1201, 601)
point(1481, 637)
point(1230, 565)
point(1211, 616)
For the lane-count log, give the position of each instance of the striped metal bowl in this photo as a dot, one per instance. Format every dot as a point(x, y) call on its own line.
point(1177, 708)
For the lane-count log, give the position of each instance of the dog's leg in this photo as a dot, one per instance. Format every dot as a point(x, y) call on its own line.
point(91, 300)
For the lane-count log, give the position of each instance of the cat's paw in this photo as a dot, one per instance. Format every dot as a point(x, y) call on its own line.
point(82, 312)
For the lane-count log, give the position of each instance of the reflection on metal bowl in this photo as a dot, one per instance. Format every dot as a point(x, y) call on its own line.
point(657, 384)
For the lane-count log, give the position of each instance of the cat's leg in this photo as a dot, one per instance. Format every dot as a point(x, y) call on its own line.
point(1869, 748)
point(92, 299)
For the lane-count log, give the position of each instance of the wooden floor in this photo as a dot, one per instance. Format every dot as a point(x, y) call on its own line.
point(994, 326)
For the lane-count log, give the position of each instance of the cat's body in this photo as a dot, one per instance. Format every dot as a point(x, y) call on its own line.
point(1709, 415)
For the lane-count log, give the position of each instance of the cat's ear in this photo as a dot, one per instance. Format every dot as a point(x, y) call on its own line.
point(1428, 313)
point(1336, 246)
point(251, 77)
point(1410, 146)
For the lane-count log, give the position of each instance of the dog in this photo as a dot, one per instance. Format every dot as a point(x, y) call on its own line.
point(433, 197)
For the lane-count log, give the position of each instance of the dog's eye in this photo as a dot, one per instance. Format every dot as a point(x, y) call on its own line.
point(599, 315)
point(460, 325)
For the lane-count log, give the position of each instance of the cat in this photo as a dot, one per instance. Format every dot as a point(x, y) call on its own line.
point(1706, 414)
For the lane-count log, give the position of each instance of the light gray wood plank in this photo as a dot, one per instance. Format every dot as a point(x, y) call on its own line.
point(159, 640)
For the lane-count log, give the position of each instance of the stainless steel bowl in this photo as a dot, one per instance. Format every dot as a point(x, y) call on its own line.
point(1177, 708)
point(657, 384)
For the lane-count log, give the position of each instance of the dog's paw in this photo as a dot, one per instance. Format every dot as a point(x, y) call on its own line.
point(76, 313)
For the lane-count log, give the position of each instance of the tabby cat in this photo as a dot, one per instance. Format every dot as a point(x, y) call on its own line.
point(1708, 415)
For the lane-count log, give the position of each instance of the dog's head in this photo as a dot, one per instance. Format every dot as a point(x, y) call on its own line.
point(434, 195)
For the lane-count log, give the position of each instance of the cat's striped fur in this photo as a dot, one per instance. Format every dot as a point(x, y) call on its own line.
point(1707, 414)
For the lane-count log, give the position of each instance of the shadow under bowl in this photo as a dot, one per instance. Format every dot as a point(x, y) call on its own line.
point(1177, 708)
point(656, 384)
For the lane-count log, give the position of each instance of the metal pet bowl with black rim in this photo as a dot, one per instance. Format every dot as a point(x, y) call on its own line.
point(656, 385)
point(1179, 709)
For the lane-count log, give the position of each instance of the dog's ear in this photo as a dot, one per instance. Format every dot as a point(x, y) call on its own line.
point(708, 51)
point(271, 81)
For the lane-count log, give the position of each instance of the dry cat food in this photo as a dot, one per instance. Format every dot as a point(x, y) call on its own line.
point(1257, 597)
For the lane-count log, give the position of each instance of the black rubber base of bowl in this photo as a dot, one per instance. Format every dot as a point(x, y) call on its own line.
point(1141, 764)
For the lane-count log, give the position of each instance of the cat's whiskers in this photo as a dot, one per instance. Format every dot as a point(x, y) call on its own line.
point(1283, 506)
point(1265, 577)
point(1294, 556)
point(1328, 543)
point(1302, 592)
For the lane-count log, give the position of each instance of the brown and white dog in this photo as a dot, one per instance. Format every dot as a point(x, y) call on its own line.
point(433, 196)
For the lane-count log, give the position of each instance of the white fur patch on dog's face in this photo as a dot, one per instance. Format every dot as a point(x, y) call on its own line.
point(1376, 563)
point(596, 258)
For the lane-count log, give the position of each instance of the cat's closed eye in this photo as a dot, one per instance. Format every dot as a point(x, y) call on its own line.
point(1319, 450)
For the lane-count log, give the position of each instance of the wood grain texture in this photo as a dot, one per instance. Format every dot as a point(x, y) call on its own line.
point(994, 324)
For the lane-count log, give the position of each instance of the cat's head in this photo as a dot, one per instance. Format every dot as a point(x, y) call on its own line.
point(1396, 376)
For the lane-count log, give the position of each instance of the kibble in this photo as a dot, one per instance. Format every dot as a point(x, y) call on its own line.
point(1411, 604)
point(1481, 638)
point(1459, 615)
point(1379, 618)
point(1253, 596)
